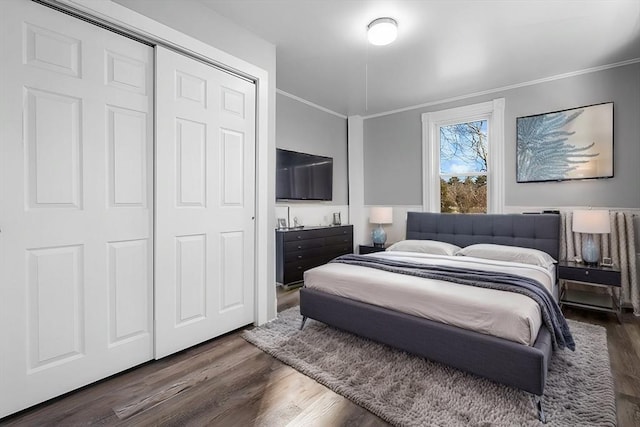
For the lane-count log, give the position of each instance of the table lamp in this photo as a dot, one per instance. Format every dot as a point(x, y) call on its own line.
point(591, 222)
point(379, 215)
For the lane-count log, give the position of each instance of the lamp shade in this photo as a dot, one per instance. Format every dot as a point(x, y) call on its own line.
point(382, 31)
point(592, 221)
point(380, 215)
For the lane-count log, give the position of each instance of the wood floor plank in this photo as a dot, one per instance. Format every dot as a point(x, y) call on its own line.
point(229, 388)
point(282, 401)
point(228, 381)
point(624, 359)
point(182, 378)
point(323, 411)
point(628, 409)
point(288, 298)
point(627, 385)
point(330, 409)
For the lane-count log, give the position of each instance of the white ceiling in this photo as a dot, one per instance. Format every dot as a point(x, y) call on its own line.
point(445, 49)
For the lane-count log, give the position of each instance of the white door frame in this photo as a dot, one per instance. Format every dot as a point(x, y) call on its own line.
point(119, 17)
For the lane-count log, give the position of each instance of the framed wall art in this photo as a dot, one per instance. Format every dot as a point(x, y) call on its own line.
point(565, 145)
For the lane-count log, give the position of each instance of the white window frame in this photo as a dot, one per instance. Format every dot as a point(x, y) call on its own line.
point(493, 113)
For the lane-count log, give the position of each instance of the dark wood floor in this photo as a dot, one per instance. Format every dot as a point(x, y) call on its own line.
point(228, 382)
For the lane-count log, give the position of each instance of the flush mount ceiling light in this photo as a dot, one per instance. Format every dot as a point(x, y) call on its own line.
point(382, 31)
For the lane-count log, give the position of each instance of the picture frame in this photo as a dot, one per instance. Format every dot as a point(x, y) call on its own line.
point(282, 224)
point(571, 144)
point(606, 262)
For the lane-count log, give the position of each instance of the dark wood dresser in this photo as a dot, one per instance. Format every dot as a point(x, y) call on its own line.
point(298, 250)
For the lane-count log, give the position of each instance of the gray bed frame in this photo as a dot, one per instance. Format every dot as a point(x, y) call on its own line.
point(521, 366)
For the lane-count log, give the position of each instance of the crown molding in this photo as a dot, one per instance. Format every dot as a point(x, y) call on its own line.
point(509, 87)
point(309, 103)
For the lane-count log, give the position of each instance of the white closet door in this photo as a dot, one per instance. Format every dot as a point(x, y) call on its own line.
point(205, 172)
point(75, 204)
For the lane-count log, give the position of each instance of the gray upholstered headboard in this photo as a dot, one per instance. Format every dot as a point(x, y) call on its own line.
point(538, 231)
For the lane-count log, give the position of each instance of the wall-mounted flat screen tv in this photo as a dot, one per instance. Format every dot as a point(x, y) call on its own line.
point(302, 176)
point(565, 145)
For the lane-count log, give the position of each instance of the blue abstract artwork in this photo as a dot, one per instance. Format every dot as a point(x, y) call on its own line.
point(565, 145)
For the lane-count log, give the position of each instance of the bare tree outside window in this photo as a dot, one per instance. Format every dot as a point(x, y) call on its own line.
point(463, 167)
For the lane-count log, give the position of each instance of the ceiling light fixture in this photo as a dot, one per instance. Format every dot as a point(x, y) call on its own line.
point(382, 31)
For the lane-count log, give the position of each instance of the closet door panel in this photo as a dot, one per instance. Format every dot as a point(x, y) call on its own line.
point(53, 126)
point(205, 180)
point(75, 204)
point(129, 308)
point(127, 156)
point(55, 306)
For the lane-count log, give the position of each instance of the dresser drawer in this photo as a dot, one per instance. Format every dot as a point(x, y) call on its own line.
point(603, 277)
point(293, 271)
point(300, 254)
point(303, 245)
point(298, 235)
point(340, 239)
point(339, 231)
point(341, 249)
point(292, 276)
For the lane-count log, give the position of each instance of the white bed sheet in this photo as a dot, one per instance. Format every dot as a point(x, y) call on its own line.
point(502, 314)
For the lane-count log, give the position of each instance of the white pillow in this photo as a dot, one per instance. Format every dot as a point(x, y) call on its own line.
point(508, 253)
point(425, 246)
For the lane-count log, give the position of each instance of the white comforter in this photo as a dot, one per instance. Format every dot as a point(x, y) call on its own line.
point(499, 313)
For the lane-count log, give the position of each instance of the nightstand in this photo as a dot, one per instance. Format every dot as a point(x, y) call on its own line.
point(369, 249)
point(598, 276)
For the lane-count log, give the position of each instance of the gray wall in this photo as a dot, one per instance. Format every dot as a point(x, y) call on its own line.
point(393, 144)
point(393, 159)
point(300, 127)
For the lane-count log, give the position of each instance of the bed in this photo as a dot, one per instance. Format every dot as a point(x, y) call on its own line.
point(499, 359)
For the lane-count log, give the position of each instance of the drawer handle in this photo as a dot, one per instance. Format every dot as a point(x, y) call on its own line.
point(299, 268)
point(586, 273)
point(299, 256)
point(299, 247)
point(299, 237)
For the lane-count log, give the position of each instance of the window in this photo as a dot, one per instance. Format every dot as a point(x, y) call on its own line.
point(463, 168)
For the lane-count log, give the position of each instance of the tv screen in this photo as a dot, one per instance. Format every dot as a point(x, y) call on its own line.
point(301, 176)
point(565, 145)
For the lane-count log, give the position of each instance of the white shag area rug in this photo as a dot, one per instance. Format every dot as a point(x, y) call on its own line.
point(407, 390)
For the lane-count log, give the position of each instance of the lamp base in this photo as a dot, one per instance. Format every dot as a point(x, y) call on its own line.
point(378, 236)
point(590, 252)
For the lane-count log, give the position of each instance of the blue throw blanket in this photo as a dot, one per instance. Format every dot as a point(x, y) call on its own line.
point(551, 313)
